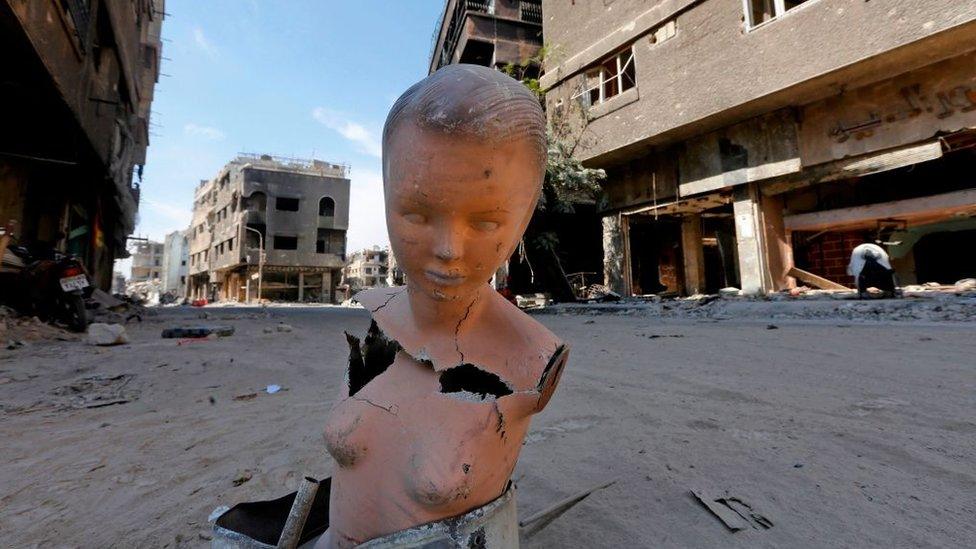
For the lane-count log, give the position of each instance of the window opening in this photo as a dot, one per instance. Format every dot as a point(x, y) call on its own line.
point(285, 242)
point(614, 75)
point(762, 11)
point(327, 207)
point(286, 204)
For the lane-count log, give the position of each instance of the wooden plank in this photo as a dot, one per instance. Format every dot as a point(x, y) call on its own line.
point(929, 208)
point(814, 280)
point(849, 168)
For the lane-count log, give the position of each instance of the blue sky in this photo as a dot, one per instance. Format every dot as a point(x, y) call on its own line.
point(289, 77)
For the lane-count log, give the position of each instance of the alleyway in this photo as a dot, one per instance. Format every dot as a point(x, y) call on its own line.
point(840, 434)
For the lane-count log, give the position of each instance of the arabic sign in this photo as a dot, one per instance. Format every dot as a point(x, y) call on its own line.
point(912, 107)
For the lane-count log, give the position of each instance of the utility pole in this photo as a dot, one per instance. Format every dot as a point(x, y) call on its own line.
point(260, 259)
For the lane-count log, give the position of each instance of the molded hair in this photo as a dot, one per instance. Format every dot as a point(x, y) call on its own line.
point(471, 101)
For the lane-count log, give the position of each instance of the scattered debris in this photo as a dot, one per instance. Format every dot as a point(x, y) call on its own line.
point(199, 331)
point(965, 285)
point(732, 511)
point(531, 525)
point(772, 327)
point(106, 334)
point(272, 389)
point(247, 396)
point(243, 477)
point(730, 291)
point(600, 293)
point(95, 391)
point(14, 344)
point(282, 327)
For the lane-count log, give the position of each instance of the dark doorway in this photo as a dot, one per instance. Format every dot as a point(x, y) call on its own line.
point(655, 255)
point(945, 257)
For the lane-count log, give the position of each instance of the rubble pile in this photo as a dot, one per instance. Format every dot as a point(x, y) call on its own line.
point(927, 302)
point(146, 293)
point(17, 330)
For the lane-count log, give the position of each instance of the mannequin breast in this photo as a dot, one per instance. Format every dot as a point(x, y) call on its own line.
point(409, 453)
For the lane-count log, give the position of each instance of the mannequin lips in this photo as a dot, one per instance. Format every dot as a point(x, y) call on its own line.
point(444, 279)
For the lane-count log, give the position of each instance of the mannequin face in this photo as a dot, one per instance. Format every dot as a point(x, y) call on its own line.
point(456, 208)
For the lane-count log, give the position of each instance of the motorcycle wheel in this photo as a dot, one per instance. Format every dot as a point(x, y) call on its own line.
point(73, 312)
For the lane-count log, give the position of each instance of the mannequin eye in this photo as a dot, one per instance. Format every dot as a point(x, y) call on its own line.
point(415, 218)
point(485, 226)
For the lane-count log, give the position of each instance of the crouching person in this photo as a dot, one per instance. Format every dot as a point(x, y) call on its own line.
point(871, 267)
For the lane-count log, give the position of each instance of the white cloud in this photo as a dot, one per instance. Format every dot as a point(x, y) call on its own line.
point(176, 217)
point(203, 43)
point(367, 214)
point(366, 141)
point(207, 132)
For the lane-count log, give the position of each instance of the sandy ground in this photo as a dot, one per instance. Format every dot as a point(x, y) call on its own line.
point(840, 433)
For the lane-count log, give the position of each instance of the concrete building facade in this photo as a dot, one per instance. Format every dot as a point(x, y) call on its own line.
point(147, 262)
point(750, 142)
point(77, 84)
point(176, 259)
point(296, 211)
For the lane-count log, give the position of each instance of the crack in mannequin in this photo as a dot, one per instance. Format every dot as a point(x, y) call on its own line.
point(439, 394)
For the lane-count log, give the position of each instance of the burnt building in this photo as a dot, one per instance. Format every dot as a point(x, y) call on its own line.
point(749, 143)
point(272, 225)
point(76, 85)
point(491, 33)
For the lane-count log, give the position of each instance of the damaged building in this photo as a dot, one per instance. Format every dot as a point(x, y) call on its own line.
point(490, 33)
point(269, 227)
point(75, 93)
point(751, 143)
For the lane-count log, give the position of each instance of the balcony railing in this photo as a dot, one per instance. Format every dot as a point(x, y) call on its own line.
point(530, 12)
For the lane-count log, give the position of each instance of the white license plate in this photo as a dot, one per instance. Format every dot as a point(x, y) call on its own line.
point(77, 282)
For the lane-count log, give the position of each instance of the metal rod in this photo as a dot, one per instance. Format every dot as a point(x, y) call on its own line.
point(260, 259)
point(292, 532)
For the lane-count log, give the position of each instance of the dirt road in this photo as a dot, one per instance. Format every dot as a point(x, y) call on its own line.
point(839, 434)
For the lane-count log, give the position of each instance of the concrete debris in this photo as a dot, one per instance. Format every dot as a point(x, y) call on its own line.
point(965, 285)
point(919, 303)
point(282, 327)
point(97, 391)
point(18, 330)
point(106, 334)
point(732, 511)
point(730, 292)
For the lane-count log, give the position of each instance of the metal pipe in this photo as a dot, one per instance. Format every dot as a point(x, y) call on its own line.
point(260, 260)
point(292, 532)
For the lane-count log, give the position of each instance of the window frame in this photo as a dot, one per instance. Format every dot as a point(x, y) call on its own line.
point(601, 74)
point(779, 11)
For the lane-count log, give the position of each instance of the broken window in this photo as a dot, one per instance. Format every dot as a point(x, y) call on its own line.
point(282, 242)
point(613, 76)
point(330, 241)
point(762, 11)
point(327, 207)
point(230, 245)
point(286, 204)
point(256, 202)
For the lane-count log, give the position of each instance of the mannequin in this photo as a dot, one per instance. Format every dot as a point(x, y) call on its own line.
point(440, 392)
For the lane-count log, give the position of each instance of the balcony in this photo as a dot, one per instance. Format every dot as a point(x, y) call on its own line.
point(512, 15)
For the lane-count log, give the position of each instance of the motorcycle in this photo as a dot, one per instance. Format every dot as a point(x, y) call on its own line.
point(51, 285)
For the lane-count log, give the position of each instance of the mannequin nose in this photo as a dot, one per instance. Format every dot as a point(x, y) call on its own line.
point(448, 246)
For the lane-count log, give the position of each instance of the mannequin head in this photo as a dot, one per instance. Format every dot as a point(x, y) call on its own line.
point(463, 163)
